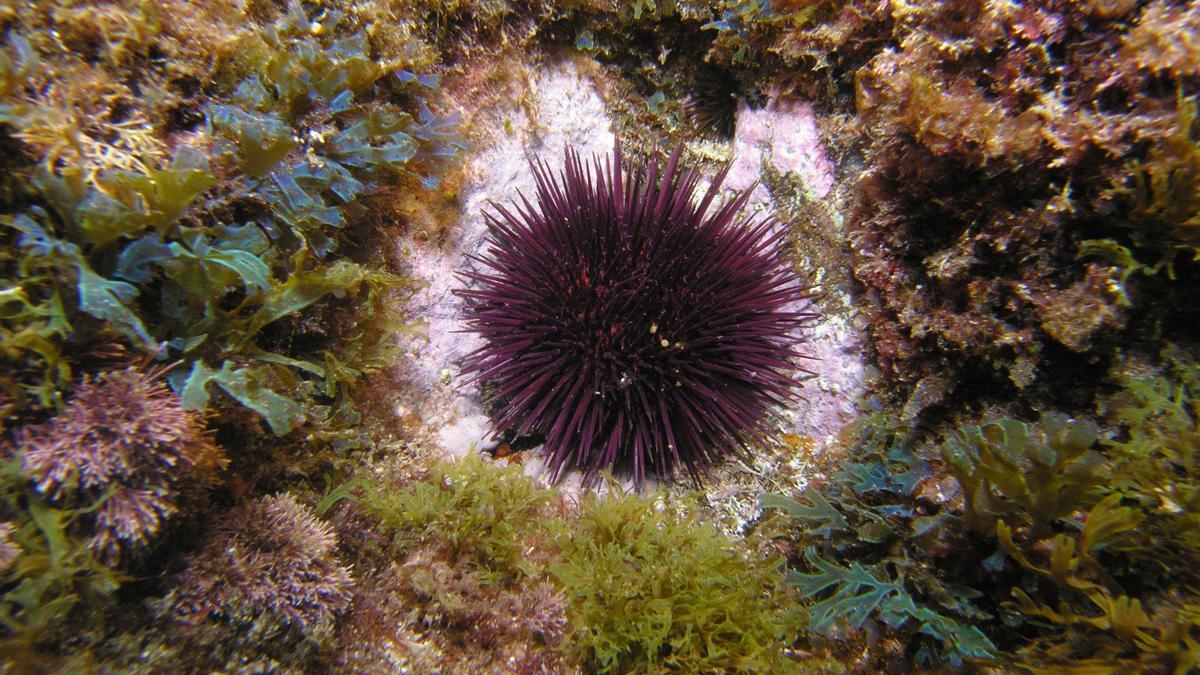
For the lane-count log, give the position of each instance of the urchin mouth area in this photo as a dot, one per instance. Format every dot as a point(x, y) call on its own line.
point(636, 328)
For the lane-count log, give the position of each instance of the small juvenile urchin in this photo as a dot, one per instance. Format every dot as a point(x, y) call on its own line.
point(632, 326)
point(713, 103)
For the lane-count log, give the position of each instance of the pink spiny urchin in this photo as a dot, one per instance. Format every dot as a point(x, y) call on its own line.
point(270, 562)
point(632, 326)
point(125, 446)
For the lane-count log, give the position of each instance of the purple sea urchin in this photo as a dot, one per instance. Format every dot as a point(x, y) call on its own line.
point(632, 327)
point(713, 103)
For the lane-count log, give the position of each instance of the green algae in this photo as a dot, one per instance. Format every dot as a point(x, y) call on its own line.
point(1008, 472)
point(653, 590)
point(164, 237)
point(1085, 532)
point(642, 585)
point(862, 554)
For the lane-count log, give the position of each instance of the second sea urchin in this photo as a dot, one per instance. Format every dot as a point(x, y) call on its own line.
point(631, 326)
point(713, 104)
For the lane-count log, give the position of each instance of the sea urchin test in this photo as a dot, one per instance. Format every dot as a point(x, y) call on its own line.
point(632, 326)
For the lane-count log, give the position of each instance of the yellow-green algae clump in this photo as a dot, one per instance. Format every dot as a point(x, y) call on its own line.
point(618, 583)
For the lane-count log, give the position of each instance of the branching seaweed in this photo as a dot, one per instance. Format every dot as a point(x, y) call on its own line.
point(865, 537)
point(652, 589)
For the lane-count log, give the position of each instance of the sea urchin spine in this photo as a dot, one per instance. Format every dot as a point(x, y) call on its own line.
point(713, 103)
point(631, 326)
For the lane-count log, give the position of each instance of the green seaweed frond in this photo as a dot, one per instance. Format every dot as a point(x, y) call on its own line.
point(1028, 477)
point(866, 536)
point(485, 515)
point(1157, 454)
point(1095, 626)
point(654, 589)
point(1163, 190)
point(55, 584)
point(849, 596)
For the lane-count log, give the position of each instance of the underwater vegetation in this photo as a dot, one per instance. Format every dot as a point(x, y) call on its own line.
point(109, 474)
point(632, 327)
point(262, 593)
point(1033, 547)
point(227, 233)
point(862, 551)
point(654, 590)
point(1051, 143)
point(458, 563)
point(194, 187)
point(125, 450)
point(269, 564)
point(622, 583)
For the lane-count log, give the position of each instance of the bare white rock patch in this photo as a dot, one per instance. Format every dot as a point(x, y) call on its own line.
point(783, 134)
point(569, 113)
